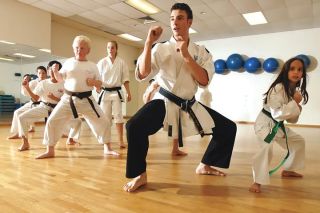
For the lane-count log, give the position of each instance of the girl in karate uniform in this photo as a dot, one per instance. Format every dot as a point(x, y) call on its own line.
point(282, 103)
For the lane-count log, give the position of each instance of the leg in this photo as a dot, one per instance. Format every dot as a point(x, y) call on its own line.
point(118, 120)
point(74, 133)
point(48, 154)
point(147, 121)
point(14, 126)
point(25, 144)
point(255, 187)
point(175, 149)
point(220, 148)
point(120, 134)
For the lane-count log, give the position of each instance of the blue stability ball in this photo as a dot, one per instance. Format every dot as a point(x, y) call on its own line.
point(252, 65)
point(234, 62)
point(270, 65)
point(220, 66)
point(305, 60)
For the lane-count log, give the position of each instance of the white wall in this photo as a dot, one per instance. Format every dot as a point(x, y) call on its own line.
point(238, 95)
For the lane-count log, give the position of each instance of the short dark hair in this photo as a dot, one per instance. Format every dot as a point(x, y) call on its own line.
point(183, 6)
point(42, 68)
point(54, 62)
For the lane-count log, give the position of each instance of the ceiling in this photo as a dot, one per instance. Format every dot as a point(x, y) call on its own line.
point(213, 19)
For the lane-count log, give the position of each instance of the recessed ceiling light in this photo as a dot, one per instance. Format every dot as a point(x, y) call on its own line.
point(144, 6)
point(129, 37)
point(255, 18)
point(203, 13)
point(45, 50)
point(6, 42)
point(24, 55)
point(6, 59)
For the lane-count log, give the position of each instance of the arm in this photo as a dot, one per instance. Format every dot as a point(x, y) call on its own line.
point(51, 96)
point(198, 73)
point(56, 73)
point(94, 83)
point(33, 96)
point(126, 85)
point(144, 65)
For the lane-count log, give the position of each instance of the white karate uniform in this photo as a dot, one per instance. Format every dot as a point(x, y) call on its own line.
point(180, 82)
point(25, 107)
point(75, 74)
point(113, 75)
point(42, 110)
point(281, 109)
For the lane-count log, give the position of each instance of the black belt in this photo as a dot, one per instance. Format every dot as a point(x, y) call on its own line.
point(35, 103)
point(49, 111)
point(80, 95)
point(118, 89)
point(185, 105)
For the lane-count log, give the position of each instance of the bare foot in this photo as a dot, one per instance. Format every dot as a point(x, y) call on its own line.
point(64, 136)
point(108, 151)
point(31, 129)
point(204, 169)
point(16, 136)
point(137, 182)
point(255, 187)
point(48, 154)
point(290, 174)
point(122, 145)
point(178, 152)
point(25, 145)
point(71, 142)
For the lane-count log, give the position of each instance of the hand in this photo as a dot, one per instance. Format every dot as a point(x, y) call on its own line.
point(51, 96)
point(90, 82)
point(128, 97)
point(154, 34)
point(182, 46)
point(297, 97)
point(24, 82)
point(55, 67)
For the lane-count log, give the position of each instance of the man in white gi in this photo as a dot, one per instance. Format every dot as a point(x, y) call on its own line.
point(114, 72)
point(42, 74)
point(80, 76)
point(181, 66)
point(48, 92)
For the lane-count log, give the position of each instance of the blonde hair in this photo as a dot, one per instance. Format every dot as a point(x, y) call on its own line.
point(81, 38)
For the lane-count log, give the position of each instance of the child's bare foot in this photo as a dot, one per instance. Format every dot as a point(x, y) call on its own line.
point(178, 152)
point(71, 142)
point(204, 169)
point(25, 145)
point(108, 151)
point(48, 154)
point(16, 136)
point(255, 187)
point(137, 182)
point(31, 129)
point(290, 174)
point(122, 145)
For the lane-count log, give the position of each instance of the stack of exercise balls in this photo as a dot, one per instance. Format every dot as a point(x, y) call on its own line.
point(270, 65)
point(252, 65)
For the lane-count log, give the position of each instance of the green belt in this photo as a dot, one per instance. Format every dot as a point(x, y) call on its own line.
point(272, 134)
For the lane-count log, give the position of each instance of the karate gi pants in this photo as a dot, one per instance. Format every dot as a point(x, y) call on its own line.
point(149, 119)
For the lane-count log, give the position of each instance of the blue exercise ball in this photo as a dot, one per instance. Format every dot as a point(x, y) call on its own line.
point(220, 66)
point(270, 65)
point(252, 64)
point(33, 76)
point(305, 60)
point(234, 62)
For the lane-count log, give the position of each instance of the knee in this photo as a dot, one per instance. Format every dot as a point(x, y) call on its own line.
point(233, 127)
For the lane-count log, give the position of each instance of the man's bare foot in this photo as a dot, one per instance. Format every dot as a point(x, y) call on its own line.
point(178, 152)
point(25, 145)
point(71, 142)
point(108, 151)
point(290, 174)
point(64, 136)
point(255, 187)
point(122, 145)
point(204, 169)
point(48, 154)
point(137, 182)
point(16, 136)
point(31, 129)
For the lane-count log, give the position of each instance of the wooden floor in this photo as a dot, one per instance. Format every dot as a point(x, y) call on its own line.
point(81, 179)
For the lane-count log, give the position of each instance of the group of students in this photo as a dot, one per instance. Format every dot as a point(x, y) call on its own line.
point(179, 67)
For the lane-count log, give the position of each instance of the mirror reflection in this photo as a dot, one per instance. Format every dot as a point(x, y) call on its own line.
point(17, 60)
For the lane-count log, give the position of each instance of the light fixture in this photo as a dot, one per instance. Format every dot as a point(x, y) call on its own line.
point(255, 18)
point(129, 37)
point(191, 31)
point(24, 55)
point(6, 59)
point(45, 50)
point(6, 42)
point(144, 6)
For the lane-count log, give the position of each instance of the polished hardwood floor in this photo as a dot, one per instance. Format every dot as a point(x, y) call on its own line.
point(81, 179)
